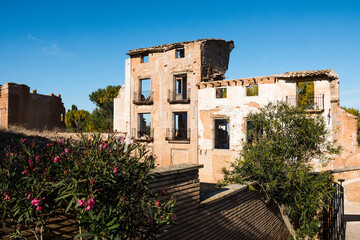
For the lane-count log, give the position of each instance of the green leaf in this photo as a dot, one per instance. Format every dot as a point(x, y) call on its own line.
point(87, 234)
point(115, 226)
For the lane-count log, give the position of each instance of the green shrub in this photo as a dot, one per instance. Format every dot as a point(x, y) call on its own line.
point(103, 183)
point(284, 143)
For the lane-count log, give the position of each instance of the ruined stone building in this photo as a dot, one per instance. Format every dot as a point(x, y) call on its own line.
point(20, 107)
point(176, 98)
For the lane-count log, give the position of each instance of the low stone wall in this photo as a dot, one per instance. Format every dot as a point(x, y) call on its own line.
point(233, 212)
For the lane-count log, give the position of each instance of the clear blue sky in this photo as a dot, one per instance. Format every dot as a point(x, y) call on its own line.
point(75, 47)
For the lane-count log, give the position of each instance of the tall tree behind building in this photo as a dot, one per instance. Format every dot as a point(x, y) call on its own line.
point(76, 120)
point(101, 118)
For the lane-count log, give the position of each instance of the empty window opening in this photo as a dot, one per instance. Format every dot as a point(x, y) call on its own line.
point(180, 87)
point(222, 134)
point(305, 95)
point(144, 58)
point(180, 53)
point(145, 88)
point(252, 90)
point(144, 125)
point(180, 126)
point(221, 93)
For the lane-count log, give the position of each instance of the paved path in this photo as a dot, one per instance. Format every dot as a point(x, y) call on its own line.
point(352, 218)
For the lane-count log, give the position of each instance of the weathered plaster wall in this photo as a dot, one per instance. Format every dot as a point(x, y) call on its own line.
point(30, 110)
point(122, 103)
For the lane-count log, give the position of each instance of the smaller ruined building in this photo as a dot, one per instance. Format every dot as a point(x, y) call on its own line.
point(20, 107)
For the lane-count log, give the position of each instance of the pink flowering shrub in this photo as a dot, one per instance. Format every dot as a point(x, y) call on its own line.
point(103, 183)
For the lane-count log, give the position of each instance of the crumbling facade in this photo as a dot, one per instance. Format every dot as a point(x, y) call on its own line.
point(20, 107)
point(176, 98)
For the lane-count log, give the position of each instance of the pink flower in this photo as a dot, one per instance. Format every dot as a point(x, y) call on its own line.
point(49, 145)
point(115, 170)
point(80, 202)
point(7, 197)
point(91, 204)
point(24, 140)
point(59, 141)
point(29, 195)
point(67, 150)
point(24, 172)
point(30, 161)
point(104, 146)
point(85, 152)
point(122, 138)
point(35, 202)
point(56, 159)
point(92, 182)
point(38, 208)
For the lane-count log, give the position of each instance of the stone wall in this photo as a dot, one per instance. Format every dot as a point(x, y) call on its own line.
point(233, 212)
point(19, 106)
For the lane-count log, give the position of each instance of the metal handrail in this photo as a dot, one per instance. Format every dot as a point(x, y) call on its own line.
point(142, 135)
point(173, 96)
point(180, 134)
point(143, 97)
point(317, 103)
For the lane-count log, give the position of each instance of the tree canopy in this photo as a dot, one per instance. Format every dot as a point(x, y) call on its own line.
point(101, 119)
point(76, 119)
point(282, 144)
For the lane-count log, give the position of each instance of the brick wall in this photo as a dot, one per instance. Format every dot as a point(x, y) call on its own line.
point(230, 213)
point(19, 106)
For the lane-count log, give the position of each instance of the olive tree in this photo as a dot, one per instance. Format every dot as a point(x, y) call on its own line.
point(282, 144)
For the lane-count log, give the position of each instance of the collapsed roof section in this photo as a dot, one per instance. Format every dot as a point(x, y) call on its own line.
point(215, 54)
point(329, 73)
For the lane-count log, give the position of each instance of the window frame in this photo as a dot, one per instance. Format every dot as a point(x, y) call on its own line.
point(179, 53)
point(143, 134)
point(216, 132)
point(250, 86)
point(144, 58)
point(222, 91)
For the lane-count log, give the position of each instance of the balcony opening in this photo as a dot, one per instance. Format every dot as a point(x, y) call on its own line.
point(222, 134)
point(179, 131)
point(221, 93)
point(305, 91)
point(305, 98)
point(144, 130)
point(144, 95)
point(179, 93)
point(180, 53)
point(145, 58)
point(252, 90)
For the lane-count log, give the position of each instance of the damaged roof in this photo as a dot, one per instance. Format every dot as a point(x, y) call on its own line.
point(316, 73)
point(166, 47)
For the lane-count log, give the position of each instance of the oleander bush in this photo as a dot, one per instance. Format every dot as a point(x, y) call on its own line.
point(102, 183)
point(282, 144)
